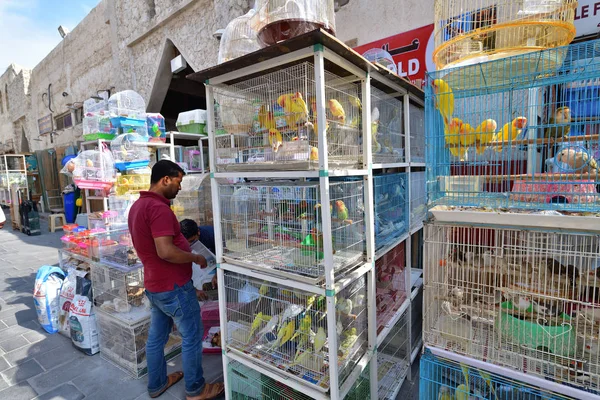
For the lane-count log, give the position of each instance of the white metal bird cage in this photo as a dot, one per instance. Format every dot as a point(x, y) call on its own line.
point(523, 299)
point(271, 121)
point(280, 20)
point(194, 200)
point(278, 226)
point(127, 110)
point(387, 128)
point(130, 151)
point(238, 39)
point(287, 328)
point(390, 285)
point(468, 32)
point(92, 169)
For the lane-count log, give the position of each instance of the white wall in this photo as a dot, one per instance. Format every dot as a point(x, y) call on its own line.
point(372, 20)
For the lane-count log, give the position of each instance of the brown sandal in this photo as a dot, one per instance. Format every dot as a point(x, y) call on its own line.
point(172, 379)
point(211, 391)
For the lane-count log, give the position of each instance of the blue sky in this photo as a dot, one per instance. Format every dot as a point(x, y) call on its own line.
point(28, 28)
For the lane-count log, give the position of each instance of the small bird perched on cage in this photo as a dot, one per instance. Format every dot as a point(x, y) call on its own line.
point(484, 134)
point(510, 131)
point(337, 110)
point(559, 124)
point(444, 99)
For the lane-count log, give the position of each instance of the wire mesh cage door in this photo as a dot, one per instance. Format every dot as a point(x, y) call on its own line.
point(515, 143)
point(393, 359)
point(523, 299)
point(387, 128)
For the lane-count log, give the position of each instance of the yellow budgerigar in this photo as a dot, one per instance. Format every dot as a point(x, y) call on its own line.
point(285, 334)
point(320, 339)
point(350, 338)
point(304, 328)
point(258, 320)
point(461, 392)
point(510, 131)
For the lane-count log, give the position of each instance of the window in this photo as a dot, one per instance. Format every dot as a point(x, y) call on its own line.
point(1, 107)
point(6, 91)
point(78, 114)
point(64, 121)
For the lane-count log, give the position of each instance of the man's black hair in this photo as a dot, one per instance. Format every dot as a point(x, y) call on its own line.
point(189, 228)
point(165, 168)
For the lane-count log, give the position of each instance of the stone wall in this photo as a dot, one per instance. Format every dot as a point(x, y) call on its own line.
point(15, 107)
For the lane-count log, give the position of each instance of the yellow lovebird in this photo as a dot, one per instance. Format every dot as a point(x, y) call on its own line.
point(452, 135)
point(275, 139)
point(444, 99)
point(295, 108)
point(484, 134)
point(510, 131)
point(266, 119)
point(342, 210)
point(314, 154)
point(337, 110)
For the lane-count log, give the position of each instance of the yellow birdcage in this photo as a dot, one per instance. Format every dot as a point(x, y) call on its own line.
point(469, 32)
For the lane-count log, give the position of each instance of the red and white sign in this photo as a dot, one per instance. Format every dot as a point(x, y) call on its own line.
point(412, 51)
point(587, 17)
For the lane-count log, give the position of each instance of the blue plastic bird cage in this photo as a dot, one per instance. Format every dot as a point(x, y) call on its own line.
point(441, 378)
point(491, 130)
point(391, 208)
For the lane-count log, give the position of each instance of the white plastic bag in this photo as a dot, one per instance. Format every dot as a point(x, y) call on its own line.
point(82, 319)
point(46, 296)
point(67, 294)
point(200, 276)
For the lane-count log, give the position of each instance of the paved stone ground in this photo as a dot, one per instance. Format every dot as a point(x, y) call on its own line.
point(36, 365)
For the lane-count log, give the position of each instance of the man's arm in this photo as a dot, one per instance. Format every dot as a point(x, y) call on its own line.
point(173, 254)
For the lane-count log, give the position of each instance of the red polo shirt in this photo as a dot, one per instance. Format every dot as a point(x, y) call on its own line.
point(151, 217)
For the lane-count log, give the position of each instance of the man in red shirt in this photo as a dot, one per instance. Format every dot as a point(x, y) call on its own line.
point(167, 261)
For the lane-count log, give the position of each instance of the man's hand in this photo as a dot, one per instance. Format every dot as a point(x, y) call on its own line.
point(200, 260)
point(200, 295)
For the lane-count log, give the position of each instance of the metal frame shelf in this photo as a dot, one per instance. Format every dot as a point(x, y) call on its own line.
point(325, 53)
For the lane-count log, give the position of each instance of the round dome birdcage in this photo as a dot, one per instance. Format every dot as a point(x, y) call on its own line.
point(381, 57)
point(130, 151)
point(238, 39)
point(279, 20)
point(469, 32)
point(127, 109)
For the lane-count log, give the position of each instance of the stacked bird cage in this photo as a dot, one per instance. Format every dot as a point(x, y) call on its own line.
point(418, 199)
point(390, 284)
point(273, 121)
point(445, 379)
point(194, 201)
point(275, 324)
point(391, 208)
point(125, 345)
point(515, 145)
point(279, 226)
point(393, 359)
point(293, 200)
point(512, 248)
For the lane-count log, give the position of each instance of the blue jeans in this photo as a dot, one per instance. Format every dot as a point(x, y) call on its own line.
point(180, 306)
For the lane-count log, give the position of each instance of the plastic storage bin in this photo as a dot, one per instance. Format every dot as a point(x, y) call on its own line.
point(116, 250)
point(210, 321)
point(125, 345)
point(193, 121)
point(127, 109)
point(119, 293)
